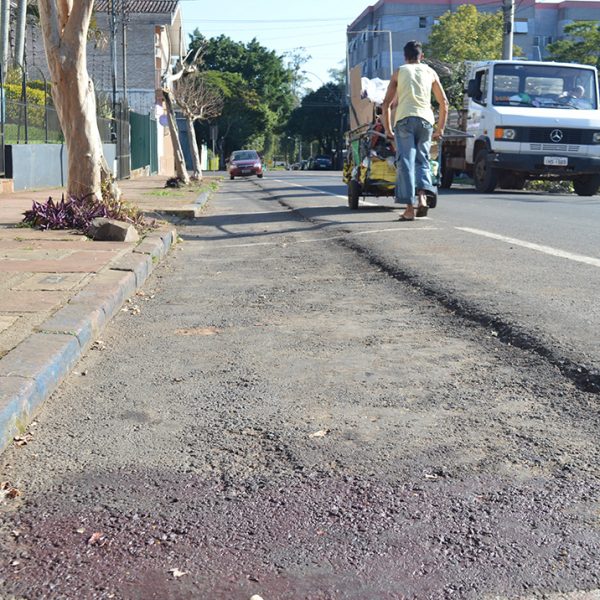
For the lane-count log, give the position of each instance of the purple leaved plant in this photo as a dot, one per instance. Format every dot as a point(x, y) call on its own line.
point(73, 213)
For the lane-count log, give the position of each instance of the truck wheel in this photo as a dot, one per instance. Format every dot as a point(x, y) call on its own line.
point(587, 185)
point(353, 194)
point(447, 178)
point(484, 176)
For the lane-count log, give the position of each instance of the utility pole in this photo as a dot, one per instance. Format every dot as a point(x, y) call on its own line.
point(4, 31)
point(20, 32)
point(113, 59)
point(508, 12)
point(124, 23)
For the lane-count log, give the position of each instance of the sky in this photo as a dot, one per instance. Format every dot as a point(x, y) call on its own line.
point(319, 26)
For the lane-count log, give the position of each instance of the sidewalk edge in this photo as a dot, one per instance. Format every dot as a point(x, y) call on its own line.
point(32, 371)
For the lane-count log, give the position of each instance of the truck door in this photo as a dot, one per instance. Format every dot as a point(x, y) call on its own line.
point(478, 101)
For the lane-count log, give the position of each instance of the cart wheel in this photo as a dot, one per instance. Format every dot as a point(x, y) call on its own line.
point(353, 194)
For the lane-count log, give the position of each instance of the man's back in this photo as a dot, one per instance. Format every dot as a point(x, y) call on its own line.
point(415, 81)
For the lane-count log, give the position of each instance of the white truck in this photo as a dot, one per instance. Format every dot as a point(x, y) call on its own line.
point(527, 120)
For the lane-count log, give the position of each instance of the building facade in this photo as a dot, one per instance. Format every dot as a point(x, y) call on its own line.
point(377, 36)
point(148, 41)
point(149, 38)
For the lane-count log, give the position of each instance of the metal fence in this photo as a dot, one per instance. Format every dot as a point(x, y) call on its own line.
point(143, 142)
point(28, 117)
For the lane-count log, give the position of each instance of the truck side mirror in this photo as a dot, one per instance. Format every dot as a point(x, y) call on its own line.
point(473, 90)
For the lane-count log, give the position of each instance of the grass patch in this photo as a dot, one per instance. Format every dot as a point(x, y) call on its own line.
point(195, 188)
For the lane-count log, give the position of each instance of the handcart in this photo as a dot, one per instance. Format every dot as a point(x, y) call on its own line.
point(369, 169)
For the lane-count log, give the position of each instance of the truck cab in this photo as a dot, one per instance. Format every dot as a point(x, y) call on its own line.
point(532, 120)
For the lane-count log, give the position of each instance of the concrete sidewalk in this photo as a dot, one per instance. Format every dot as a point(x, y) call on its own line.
point(58, 289)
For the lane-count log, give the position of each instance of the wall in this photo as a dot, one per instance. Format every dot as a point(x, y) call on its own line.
point(42, 165)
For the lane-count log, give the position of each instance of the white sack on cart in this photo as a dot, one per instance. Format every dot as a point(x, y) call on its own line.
point(374, 89)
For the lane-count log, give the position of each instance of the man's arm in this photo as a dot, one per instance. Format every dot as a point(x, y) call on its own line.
point(440, 96)
point(390, 96)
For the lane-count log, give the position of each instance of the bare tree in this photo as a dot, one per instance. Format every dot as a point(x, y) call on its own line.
point(169, 79)
point(65, 25)
point(198, 102)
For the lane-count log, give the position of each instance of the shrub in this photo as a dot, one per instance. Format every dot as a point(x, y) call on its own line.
point(14, 106)
point(551, 186)
point(78, 213)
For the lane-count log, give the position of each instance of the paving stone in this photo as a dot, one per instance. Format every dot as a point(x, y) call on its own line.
point(17, 301)
point(23, 326)
point(10, 280)
point(82, 320)
point(76, 262)
point(45, 357)
point(7, 321)
point(140, 264)
point(108, 290)
point(52, 281)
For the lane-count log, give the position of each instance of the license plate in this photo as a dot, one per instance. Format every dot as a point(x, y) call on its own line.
point(246, 171)
point(556, 161)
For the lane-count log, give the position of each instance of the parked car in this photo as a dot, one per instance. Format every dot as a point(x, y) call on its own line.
point(244, 163)
point(321, 162)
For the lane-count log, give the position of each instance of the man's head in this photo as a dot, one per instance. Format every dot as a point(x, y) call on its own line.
point(578, 91)
point(413, 51)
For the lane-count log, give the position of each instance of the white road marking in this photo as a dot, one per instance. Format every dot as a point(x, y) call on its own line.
point(588, 260)
point(312, 189)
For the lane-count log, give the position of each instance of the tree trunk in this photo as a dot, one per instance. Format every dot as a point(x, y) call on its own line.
point(65, 28)
point(197, 175)
point(180, 169)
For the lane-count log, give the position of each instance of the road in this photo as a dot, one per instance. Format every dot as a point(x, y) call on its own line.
point(526, 264)
point(294, 407)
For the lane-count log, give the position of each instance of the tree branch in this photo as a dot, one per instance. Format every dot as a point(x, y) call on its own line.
point(49, 19)
point(77, 26)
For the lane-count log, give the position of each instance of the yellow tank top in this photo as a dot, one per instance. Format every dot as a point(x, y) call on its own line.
point(414, 92)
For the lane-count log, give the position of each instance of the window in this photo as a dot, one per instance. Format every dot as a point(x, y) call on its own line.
point(521, 26)
point(422, 22)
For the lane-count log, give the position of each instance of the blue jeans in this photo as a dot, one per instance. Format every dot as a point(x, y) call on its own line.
point(413, 141)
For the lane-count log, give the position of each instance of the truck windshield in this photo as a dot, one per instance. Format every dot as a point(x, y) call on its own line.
point(544, 86)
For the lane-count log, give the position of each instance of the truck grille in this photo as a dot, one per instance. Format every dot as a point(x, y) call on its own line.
point(554, 136)
point(553, 148)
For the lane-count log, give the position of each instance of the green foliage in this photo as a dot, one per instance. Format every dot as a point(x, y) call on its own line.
point(257, 85)
point(244, 118)
point(465, 34)
point(550, 186)
point(15, 108)
point(319, 117)
point(583, 47)
point(452, 78)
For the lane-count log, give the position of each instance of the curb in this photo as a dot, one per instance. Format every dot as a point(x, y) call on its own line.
point(35, 368)
point(187, 211)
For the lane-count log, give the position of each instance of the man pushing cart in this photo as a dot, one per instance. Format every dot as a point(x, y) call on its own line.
point(403, 164)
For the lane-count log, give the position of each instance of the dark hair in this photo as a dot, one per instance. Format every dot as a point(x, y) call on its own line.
point(413, 50)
